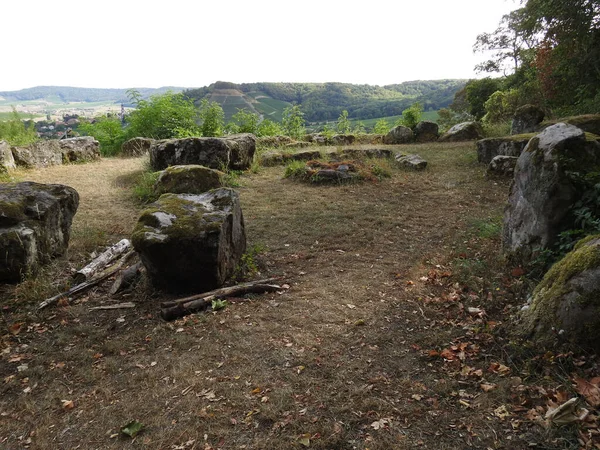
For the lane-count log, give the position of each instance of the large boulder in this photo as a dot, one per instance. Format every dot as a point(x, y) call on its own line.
point(233, 152)
point(272, 158)
point(565, 306)
point(427, 131)
point(413, 162)
point(527, 119)
point(364, 153)
point(137, 146)
point(190, 179)
point(191, 243)
point(590, 123)
point(35, 225)
point(489, 148)
point(466, 131)
point(54, 152)
point(79, 149)
point(398, 135)
point(543, 191)
point(502, 165)
point(7, 161)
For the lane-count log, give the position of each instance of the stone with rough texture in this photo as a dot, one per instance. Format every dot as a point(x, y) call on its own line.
point(35, 225)
point(137, 146)
point(191, 243)
point(489, 148)
point(7, 161)
point(502, 165)
point(427, 131)
point(527, 119)
point(343, 139)
point(56, 152)
point(362, 153)
point(273, 141)
point(466, 131)
point(190, 179)
point(398, 135)
point(414, 162)
point(565, 306)
point(276, 158)
point(542, 191)
point(233, 152)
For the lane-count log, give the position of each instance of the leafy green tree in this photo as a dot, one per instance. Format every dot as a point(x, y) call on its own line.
point(501, 106)
point(247, 122)
point(382, 126)
point(269, 128)
point(293, 122)
point(411, 116)
point(343, 124)
point(108, 131)
point(161, 116)
point(15, 132)
point(359, 128)
point(478, 91)
point(212, 118)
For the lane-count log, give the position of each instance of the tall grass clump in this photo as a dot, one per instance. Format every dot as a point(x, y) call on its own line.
point(15, 132)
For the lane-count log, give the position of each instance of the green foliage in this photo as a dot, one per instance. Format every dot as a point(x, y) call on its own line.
point(162, 116)
point(343, 124)
point(478, 92)
point(218, 304)
point(143, 188)
point(293, 122)
point(247, 122)
point(359, 128)
point(411, 116)
point(212, 118)
point(269, 128)
point(297, 169)
point(382, 126)
point(108, 131)
point(15, 132)
point(327, 132)
point(231, 178)
point(447, 118)
point(501, 106)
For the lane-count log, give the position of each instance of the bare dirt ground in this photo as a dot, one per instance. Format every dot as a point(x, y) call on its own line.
point(389, 337)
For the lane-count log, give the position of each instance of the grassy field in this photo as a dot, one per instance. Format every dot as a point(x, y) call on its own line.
point(390, 336)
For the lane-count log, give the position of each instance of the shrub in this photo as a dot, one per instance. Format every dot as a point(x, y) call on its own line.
point(411, 116)
point(212, 118)
point(108, 131)
point(15, 132)
point(382, 126)
point(269, 128)
point(343, 124)
point(293, 122)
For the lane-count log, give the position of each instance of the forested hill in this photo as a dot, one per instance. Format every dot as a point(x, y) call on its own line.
point(76, 94)
point(325, 101)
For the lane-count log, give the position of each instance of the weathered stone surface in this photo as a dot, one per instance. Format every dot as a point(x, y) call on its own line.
point(369, 139)
point(79, 149)
point(137, 146)
point(55, 152)
point(190, 179)
point(191, 243)
point(35, 225)
point(334, 175)
point(362, 153)
point(488, 148)
point(297, 145)
point(527, 119)
point(502, 165)
point(542, 192)
point(343, 139)
point(413, 162)
point(427, 131)
point(234, 152)
point(317, 138)
point(398, 135)
point(273, 141)
point(589, 123)
point(565, 306)
point(278, 158)
point(7, 161)
point(466, 131)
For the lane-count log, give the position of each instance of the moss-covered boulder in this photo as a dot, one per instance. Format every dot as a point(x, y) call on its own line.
point(233, 152)
point(35, 225)
point(466, 131)
point(56, 152)
point(543, 190)
point(590, 123)
point(190, 179)
point(527, 119)
point(399, 135)
point(427, 131)
point(137, 146)
point(7, 161)
point(272, 158)
point(488, 149)
point(565, 306)
point(191, 243)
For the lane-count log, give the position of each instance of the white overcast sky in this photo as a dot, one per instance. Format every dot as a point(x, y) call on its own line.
point(124, 43)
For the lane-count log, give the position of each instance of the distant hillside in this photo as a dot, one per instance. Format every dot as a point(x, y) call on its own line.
point(66, 94)
point(325, 101)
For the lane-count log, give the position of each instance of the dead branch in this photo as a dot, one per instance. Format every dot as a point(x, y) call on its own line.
point(204, 301)
point(102, 261)
point(86, 285)
point(117, 306)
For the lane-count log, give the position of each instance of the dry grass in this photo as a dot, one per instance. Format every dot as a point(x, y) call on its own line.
point(335, 359)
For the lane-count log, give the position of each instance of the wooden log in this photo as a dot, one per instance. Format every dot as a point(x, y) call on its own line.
point(102, 261)
point(86, 285)
point(224, 291)
point(117, 306)
point(182, 309)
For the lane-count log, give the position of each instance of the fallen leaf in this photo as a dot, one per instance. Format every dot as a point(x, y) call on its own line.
point(16, 328)
point(417, 397)
point(487, 387)
point(132, 428)
point(588, 390)
point(304, 439)
point(68, 404)
point(350, 306)
point(517, 272)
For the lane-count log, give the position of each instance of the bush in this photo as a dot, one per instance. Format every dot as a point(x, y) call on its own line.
point(269, 128)
point(108, 132)
point(15, 132)
point(411, 116)
point(212, 119)
point(245, 122)
point(293, 122)
point(382, 126)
